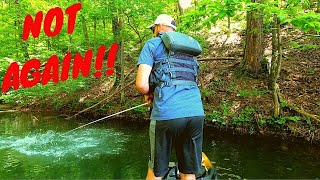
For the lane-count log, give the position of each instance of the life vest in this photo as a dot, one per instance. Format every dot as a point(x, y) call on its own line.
point(180, 67)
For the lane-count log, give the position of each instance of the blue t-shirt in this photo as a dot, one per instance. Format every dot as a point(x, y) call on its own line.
point(176, 101)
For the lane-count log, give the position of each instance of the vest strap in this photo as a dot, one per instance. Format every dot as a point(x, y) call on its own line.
point(193, 63)
point(167, 70)
point(183, 82)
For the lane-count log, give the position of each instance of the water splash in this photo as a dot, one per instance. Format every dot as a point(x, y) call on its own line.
point(84, 143)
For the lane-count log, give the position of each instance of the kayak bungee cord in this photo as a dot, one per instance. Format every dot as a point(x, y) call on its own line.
point(105, 118)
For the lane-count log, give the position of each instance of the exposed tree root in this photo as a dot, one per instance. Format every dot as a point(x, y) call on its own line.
point(311, 116)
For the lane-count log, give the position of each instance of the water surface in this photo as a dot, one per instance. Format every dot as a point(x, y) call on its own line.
point(34, 146)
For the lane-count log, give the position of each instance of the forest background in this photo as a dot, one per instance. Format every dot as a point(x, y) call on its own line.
point(259, 68)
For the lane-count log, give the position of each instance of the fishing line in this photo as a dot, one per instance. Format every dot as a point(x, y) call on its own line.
point(105, 117)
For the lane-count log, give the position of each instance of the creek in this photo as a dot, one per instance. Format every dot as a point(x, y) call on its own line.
point(34, 146)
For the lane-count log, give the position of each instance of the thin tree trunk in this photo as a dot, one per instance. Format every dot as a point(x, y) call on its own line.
point(229, 27)
point(95, 33)
point(122, 70)
point(17, 35)
point(70, 43)
point(277, 69)
point(181, 10)
point(48, 43)
point(116, 29)
point(104, 24)
point(23, 43)
point(274, 49)
point(85, 31)
point(253, 52)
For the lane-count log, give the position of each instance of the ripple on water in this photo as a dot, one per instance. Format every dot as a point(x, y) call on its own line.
point(81, 144)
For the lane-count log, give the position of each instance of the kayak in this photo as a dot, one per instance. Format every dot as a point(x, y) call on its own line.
point(207, 170)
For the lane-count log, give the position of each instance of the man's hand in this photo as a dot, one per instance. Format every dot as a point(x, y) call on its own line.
point(148, 98)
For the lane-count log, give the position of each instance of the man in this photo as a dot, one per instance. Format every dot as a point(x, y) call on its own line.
point(177, 114)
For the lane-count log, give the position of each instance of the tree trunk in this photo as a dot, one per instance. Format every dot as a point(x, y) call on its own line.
point(23, 43)
point(253, 43)
point(116, 29)
point(95, 33)
point(104, 24)
point(229, 26)
point(318, 7)
point(181, 10)
point(276, 64)
point(70, 43)
point(85, 31)
point(48, 43)
point(122, 70)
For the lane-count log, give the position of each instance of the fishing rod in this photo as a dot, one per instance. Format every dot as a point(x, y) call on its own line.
point(105, 118)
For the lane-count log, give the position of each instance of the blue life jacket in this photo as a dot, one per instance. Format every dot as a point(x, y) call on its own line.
point(181, 66)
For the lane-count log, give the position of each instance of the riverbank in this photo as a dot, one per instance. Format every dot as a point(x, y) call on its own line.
point(232, 101)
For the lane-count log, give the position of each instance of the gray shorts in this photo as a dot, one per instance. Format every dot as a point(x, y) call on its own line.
point(182, 134)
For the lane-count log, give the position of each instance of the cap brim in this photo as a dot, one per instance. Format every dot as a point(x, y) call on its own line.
point(150, 26)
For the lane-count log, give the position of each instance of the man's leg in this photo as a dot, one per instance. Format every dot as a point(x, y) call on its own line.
point(160, 148)
point(187, 176)
point(189, 147)
point(151, 176)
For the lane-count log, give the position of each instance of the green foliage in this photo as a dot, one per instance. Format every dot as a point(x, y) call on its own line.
point(216, 116)
point(225, 107)
point(209, 12)
point(307, 21)
point(283, 120)
point(283, 103)
point(39, 92)
point(221, 115)
point(261, 121)
point(303, 47)
point(232, 87)
point(206, 93)
point(96, 16)
point(251, 92)
point(244, 117)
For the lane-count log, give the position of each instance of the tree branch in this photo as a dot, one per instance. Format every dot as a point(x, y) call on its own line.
point(134, 29)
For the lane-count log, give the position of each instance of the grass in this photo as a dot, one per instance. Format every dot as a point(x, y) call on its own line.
point(251, 92)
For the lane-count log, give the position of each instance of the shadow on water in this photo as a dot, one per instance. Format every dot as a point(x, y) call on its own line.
point(252, 157)
point(35, 147)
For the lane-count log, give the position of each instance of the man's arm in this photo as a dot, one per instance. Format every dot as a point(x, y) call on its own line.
point(142, 80)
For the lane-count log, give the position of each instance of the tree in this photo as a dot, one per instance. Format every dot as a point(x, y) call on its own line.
point(84, 28)
point(276, 64)
point(253, 51)
point(287, 13)
point(19, 25)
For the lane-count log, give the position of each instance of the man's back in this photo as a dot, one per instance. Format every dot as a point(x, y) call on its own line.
point(170, 102)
